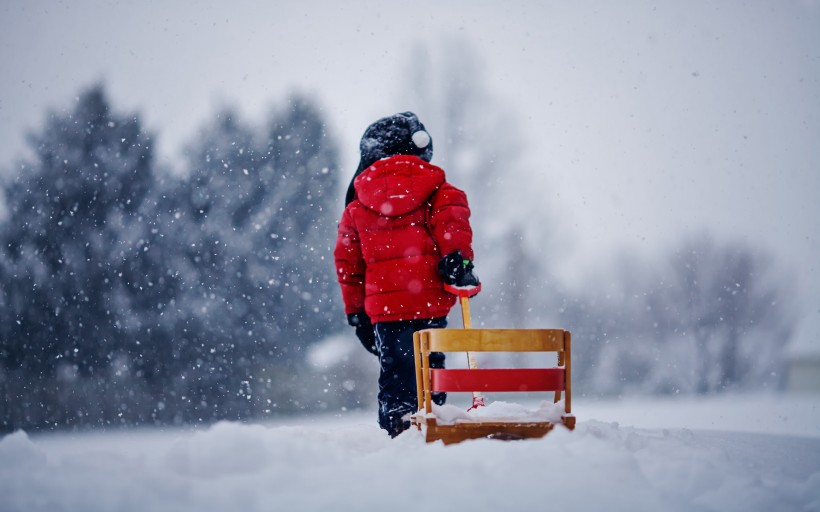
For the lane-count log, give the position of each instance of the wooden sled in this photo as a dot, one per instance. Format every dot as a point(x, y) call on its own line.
point(430, 380)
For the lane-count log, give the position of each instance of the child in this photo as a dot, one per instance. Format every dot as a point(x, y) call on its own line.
point(404, 233)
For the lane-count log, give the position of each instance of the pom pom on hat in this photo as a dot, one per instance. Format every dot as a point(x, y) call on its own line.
point(421, 139)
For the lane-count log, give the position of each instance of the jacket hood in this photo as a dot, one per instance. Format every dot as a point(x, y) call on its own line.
point(397, 185)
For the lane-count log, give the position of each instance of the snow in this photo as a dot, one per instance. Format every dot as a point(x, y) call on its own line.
point(729, 453)
point(498, 411)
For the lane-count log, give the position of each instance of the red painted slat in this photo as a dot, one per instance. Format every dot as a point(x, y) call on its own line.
point(497, 379)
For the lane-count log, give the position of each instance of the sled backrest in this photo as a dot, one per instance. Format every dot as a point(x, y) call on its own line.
point(430, 380)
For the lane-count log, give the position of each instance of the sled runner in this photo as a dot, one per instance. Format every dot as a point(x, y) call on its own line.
point(430, 380)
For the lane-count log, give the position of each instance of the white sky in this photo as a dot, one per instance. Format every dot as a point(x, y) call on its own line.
point(644, 120)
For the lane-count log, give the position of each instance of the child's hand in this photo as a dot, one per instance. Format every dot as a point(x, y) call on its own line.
point(364, 331)
point(457, 271)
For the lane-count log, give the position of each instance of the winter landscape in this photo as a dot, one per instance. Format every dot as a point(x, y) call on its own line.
point(172, 176)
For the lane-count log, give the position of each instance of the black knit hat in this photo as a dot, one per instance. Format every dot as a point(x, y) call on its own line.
point(399, 134)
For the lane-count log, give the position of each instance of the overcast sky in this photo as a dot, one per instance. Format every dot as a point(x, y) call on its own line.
point(643, 121)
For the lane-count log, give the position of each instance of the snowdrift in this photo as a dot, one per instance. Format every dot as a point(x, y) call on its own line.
point(346, 463)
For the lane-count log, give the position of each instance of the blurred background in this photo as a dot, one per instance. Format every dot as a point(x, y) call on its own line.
point(171, 175)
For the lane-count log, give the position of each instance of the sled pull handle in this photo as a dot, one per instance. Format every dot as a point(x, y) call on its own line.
point(464, 294)
point(462, 291)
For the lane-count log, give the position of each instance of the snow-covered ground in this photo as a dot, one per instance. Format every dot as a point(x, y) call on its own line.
point(727, 453)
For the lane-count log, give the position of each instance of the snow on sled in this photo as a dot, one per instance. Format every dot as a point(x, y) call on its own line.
point(494, 421)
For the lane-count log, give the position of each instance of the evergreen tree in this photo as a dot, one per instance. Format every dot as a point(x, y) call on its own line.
point(70, 240)
point(215, 249)
point(304, 216)
point(132, 297)
point(252, 232)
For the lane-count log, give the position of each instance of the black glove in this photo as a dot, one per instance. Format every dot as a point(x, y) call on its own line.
point(364, 331)
point(457, 271)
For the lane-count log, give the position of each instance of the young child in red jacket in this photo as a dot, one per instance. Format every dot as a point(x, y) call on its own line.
point(404, 233)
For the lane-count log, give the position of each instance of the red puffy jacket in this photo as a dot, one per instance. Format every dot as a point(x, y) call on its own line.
point(392, 236)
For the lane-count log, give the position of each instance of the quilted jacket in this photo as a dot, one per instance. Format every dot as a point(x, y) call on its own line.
point(405, 217)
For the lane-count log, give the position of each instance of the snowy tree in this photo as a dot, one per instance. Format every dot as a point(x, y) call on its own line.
point(708, 316)
point(134, 296)
point(71, 245)
point(214, 236)
point(726, 304)
point(248, 233)
point(304, 214)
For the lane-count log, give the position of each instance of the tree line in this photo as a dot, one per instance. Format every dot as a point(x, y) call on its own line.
point(132, 294)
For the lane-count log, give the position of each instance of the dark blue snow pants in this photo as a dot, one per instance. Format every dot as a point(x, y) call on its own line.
point(397, 380)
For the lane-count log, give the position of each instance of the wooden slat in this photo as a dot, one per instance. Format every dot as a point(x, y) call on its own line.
point(417, 359)
point(495, 340)
point(424, 343)
point(568, 374)
point(497, 379)
point(450, 434)
point(560, 363)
